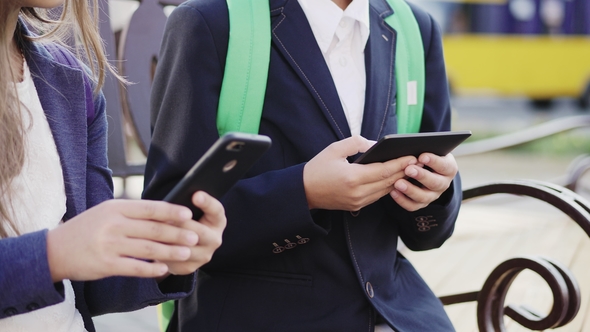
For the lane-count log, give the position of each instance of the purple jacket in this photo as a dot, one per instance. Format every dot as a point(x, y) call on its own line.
point(25, 281)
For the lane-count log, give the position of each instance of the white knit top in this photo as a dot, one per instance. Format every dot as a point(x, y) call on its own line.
point(39, 202)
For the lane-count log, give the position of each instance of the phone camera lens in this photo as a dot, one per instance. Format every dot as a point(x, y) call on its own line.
point(235, 146)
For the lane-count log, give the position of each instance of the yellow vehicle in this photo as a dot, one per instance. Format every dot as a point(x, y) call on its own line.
point(534, 48)
point(539, 67)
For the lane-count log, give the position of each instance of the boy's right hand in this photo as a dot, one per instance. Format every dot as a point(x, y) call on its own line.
point(332, 183)
point(210, 230)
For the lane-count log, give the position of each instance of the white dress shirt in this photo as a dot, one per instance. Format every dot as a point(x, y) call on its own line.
point(342, 36)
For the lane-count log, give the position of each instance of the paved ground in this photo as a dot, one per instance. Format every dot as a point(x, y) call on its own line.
point(476, 114)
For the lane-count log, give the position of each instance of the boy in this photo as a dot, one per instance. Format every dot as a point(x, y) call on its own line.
point(311, 239)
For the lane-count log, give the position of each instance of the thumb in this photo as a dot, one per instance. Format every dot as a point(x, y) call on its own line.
point(351, 146)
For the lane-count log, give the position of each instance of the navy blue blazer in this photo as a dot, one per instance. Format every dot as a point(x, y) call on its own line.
point(282, 267)
point(25, 281)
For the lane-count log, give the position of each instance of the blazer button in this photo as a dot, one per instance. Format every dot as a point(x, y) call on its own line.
point(301, 240)
point(289, 244)
point(10, 311)
point(32, 306)
point(369, 289)
point(277, 249)
point(355, 213)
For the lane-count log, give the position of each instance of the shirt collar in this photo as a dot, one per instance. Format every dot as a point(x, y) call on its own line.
point(324, 17)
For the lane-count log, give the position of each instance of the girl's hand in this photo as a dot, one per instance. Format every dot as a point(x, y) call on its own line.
point(120, 237)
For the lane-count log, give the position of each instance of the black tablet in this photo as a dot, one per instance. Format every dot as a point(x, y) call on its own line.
point(226, 162)
point(399, 145)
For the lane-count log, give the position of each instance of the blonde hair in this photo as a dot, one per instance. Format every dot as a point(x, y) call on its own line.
point(77, 25)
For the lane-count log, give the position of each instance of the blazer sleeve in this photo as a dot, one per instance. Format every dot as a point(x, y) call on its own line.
point(184, 104)
point(429, 227)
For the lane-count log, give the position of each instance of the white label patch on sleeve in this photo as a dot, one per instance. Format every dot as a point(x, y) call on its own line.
point(412, 93)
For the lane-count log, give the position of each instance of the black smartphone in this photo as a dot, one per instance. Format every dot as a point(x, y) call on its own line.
point(398, 145)
point(226, 162)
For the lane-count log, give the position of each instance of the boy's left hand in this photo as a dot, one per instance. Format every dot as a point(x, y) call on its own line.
point(432, 183)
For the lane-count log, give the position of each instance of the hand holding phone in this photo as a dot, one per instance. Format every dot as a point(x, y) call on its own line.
point(226, 162)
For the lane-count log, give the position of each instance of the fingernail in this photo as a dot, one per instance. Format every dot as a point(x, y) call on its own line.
point(186, 214)
point(184, 253)
point(394, 194)
point(200, 198)
point(401, 186)
point(191, 238)
point(163, 269)
point(411, 171)
point(425, 159)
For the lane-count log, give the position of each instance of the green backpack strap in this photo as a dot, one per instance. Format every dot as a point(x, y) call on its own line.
point(244, 82)
point(246, 67)
point(409, 67)
point(165, 311)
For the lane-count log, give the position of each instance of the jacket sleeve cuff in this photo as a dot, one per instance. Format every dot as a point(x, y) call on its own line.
point(175, 286)
point(25, 280)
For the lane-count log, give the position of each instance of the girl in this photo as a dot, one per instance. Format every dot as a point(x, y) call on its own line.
point(53, 167)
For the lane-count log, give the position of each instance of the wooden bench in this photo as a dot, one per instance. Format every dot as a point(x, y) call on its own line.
point(515, 242)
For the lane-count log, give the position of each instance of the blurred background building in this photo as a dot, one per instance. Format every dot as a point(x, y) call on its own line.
point(539, 49)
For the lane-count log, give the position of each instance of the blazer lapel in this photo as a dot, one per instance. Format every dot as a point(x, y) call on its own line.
point(379, 116)
point(289, 28)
